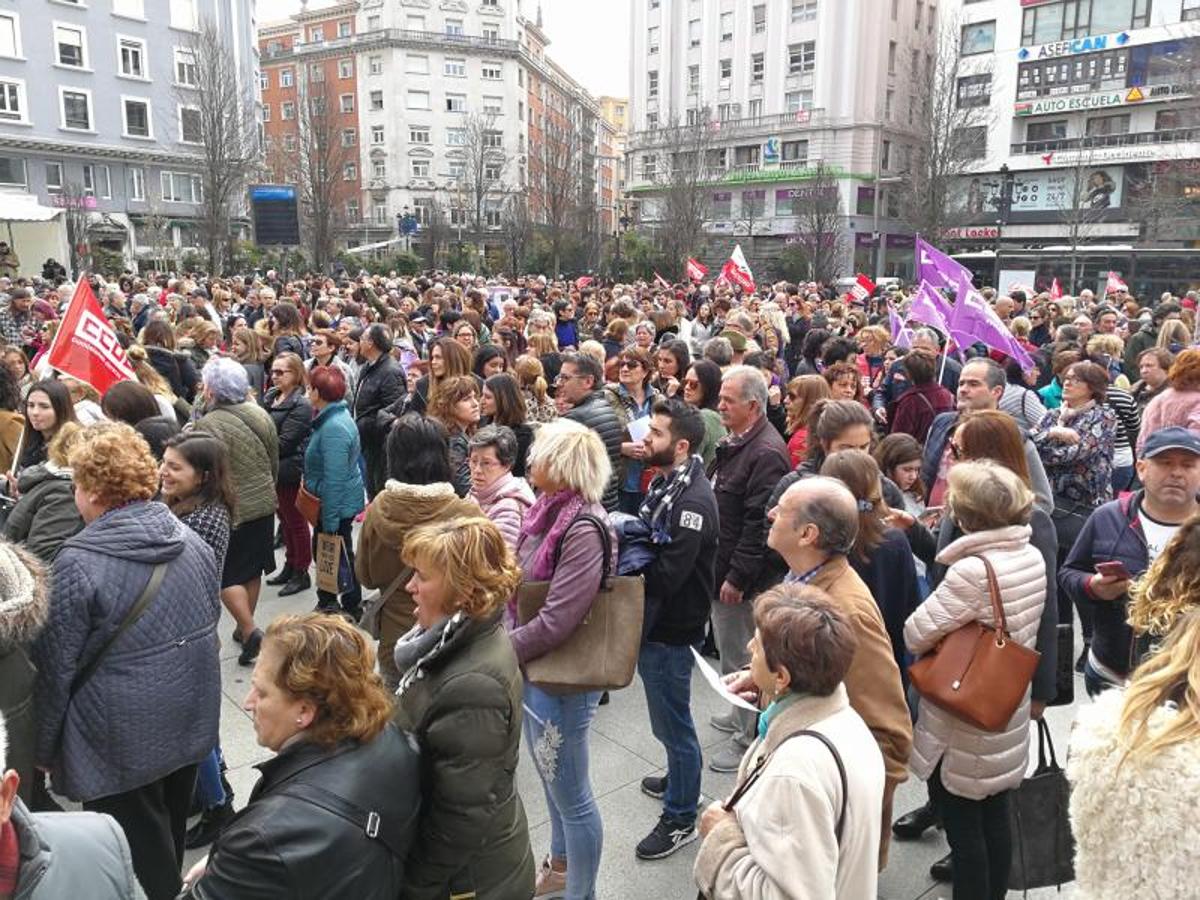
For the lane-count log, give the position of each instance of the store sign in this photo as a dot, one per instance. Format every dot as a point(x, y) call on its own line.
point(1045, 106)
point(973, 233)
point(1088, 44)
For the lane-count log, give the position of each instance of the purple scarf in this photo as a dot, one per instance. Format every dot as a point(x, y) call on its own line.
point(551, 514)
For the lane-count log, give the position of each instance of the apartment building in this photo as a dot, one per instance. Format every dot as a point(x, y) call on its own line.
point(781, 86)
point(94, 104)
point(615, 111)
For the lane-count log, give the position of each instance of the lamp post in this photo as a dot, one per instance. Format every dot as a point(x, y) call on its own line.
point(623, 225)
point(1003, 208)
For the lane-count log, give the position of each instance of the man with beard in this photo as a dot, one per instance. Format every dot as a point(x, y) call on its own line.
point(680, 511)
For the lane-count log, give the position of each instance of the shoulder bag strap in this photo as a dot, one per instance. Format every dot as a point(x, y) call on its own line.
point(605, 542)
point(994, 592)
point(369, 821)
point(741, 789)
point(405, 574)
point(149, 592)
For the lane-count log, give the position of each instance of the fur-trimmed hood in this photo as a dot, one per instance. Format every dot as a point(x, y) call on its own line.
point(24, 598)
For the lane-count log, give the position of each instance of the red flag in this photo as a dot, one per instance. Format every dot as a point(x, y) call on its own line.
point(1115, 284)
point(1055, 290)
point(695, 270)
point(737, 270)
point(862, 288)
point(583, 281)
point(662, 282)
point(86, 347)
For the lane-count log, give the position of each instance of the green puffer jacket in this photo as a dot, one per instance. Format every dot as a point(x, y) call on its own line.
point(248, 433)
point(465, 711)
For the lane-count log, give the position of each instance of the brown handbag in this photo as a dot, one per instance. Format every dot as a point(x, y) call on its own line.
point(976, 673)
point(308, 505)
point(601, 653)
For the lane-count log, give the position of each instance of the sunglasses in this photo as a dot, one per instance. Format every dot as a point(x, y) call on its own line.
point(630, 364)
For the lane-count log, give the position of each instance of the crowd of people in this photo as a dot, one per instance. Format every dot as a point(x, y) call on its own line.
point(798, 497)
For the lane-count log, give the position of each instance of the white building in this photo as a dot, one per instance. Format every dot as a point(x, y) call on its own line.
point(1092, 110)
point(789, 84)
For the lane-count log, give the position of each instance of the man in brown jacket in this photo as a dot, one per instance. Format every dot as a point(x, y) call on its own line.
point(812, 528)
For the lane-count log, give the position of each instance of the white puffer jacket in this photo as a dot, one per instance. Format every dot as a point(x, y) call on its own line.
point(977, 763)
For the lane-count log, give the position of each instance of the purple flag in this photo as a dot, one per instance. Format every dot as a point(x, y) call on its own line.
point(939, 269)
point(974, 319)
point(901, 333)
point(930, 307)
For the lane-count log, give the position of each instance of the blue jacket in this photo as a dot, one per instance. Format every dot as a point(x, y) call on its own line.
point(331, 466)
point(152, 706)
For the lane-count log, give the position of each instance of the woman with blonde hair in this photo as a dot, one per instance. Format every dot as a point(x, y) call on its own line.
point(247, 348)
point(460, 696)
point(1134, 765)
point(45, 515)
point(531, 377)
point(1169, 590)
point(803, 392)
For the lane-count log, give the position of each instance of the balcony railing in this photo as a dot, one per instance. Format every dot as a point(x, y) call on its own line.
point(783, 122)
point(386, 36)
point(1091, 142)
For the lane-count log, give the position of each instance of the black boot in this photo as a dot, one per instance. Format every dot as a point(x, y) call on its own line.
point(942, 870)
point(250, 647)
point(911, 826)
point(211, 822)
point(283, 576)
point(297, 583)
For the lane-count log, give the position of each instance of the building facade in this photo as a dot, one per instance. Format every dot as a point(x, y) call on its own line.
point(785, 92)
point(1093, 134)
point(94, 117)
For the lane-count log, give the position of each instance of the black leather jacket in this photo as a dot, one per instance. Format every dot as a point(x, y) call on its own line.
point(322, 824)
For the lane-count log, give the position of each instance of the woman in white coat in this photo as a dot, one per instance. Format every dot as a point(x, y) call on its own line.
point(971, 771)
point(804, 823)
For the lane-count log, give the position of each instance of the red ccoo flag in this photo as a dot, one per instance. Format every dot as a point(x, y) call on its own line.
point(695, 270)
point(1115, 284)
point(862, 288)
point(1055, 290)
point(86, 347)
point(737, 270)
point(583, 281)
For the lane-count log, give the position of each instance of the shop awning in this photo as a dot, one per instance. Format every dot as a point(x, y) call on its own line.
point(25, 208)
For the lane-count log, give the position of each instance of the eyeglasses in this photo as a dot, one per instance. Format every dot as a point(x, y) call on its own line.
point(1071, 379)
point(691, 382)
point(956, 451)
point(563, 379)
point(630, 364)
point(275, 373)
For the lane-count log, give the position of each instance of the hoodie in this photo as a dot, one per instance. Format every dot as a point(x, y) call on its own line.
point(505, 501)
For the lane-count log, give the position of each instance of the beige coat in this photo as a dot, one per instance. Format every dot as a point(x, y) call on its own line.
point(782, 845)
point(977, 763)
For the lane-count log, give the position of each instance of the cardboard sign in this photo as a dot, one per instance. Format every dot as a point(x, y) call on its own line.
point(328, 560)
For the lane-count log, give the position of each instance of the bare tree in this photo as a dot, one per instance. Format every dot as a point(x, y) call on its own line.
point(485, 161)
point(75, 205)
point(436, 232)
point(820, 225)
point(157, 230)
point(1156, 197)
point(949, 117)
point(753, 206)
point(1081, 195)
point(218, 115)
point(518, 230)
point(682, 171)
point(560, 158)
point(321, 158)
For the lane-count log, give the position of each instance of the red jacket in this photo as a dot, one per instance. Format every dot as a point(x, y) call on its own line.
point(917, 407)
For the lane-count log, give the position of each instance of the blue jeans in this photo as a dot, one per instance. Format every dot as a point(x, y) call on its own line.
point(209, 790)
point(1122, 478)
point(666, 672)
point(556, 730)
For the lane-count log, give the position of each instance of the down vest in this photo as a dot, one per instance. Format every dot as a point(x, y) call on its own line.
point(598, 414)
point(152, 706)
point(976, 763)
point(249, 435)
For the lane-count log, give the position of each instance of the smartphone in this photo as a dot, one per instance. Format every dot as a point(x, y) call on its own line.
point(1113, 569)
point(931, 514)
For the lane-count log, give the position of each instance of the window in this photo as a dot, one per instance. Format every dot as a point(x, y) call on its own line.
point(10, 35)
point(1080, 18)
point(380, 214)
point(888, 103)
point(131, 57)
point(760, 18)
point(456, 137)
point(456, 103)
point(377, 99)
point(493, 105)
point(289, 143)
point(414, 22)
point(979, 37)
point(757, 68)
point(454, 27)
point(375, 64)
point(491, 33)
point(491, 218)
point(891, 57)
point(12, 171)
point(455, 68)
point(423, 209)
point(722, 204)
point(694, 33)
point(316, 72)
point(96, 181)
point(191, 130)
point(350, 172)
point(416, 135)
point(266, 112)
point(349, 137)
point(345, 68)
point(12, 100)
point(725, 69)
point(287, 110)
point(458, 216)
point(693, 79)
point(183, 15)
point(726, 26)
point(794, 101)
point(287, 78)
point(802, 58)
point(756, 108)
point(70, 46)
point(649, 167)
point(54, 177)
point(185, 67)
point(456, 168)
point(652, 39)
point(346, 103)
point(420, 168)
point(806, 11)
point(373, 23)
point(137, 184)
point(136, 117)
point(972, 140)
point(344, 28)
point(652, 84)
point(416, 65)
point(1106, 125)
point(377, 136)
point(974, 90)
point(919, 13)
point(1190, 10)
point(885, 155)
point(795, 151)
point(492, 71)
point(493, 140)
point(379, 168)
point(181, 187)
point(76, 108)
point(1042, 136)
point(135, 9)
point(352, 210)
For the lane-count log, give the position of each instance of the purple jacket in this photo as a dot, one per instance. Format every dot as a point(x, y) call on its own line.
point(573, 586)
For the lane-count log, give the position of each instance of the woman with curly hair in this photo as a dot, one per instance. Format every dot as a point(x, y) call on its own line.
point(844, 381)
point(460, 695)
point(1168, 590)
point(456, 406)
point(1179, 403)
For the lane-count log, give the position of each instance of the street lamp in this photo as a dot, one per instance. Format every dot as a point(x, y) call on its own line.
point(623, 223)
point(1003, 208)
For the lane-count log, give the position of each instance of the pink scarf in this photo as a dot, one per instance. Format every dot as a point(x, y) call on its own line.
point(550, 514)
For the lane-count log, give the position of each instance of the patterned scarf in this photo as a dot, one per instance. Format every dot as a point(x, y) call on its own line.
point(551, 515)
point(664, 490)
point(416, 648)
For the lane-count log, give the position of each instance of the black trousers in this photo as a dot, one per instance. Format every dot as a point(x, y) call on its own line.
point(980, 840)
point(154, 818)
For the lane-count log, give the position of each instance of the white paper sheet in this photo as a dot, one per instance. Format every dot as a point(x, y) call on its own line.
point(714, 680)
point(638, 429)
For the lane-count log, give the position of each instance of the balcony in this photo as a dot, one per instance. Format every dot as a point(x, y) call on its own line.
point(401, 37)
point(801, 120)
point(1098, 141)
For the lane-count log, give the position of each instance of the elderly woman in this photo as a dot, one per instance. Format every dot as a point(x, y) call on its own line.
point(636, 397)
point(829, 795)
point(971, 771)
point(417, 492)
point(561, 543)
point(45, 515)
point(317, 703)
point(292, 414)
point(502, 496)
point(460, 695)
point(125, 710)
point(1179, 402)
point(249, 435)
